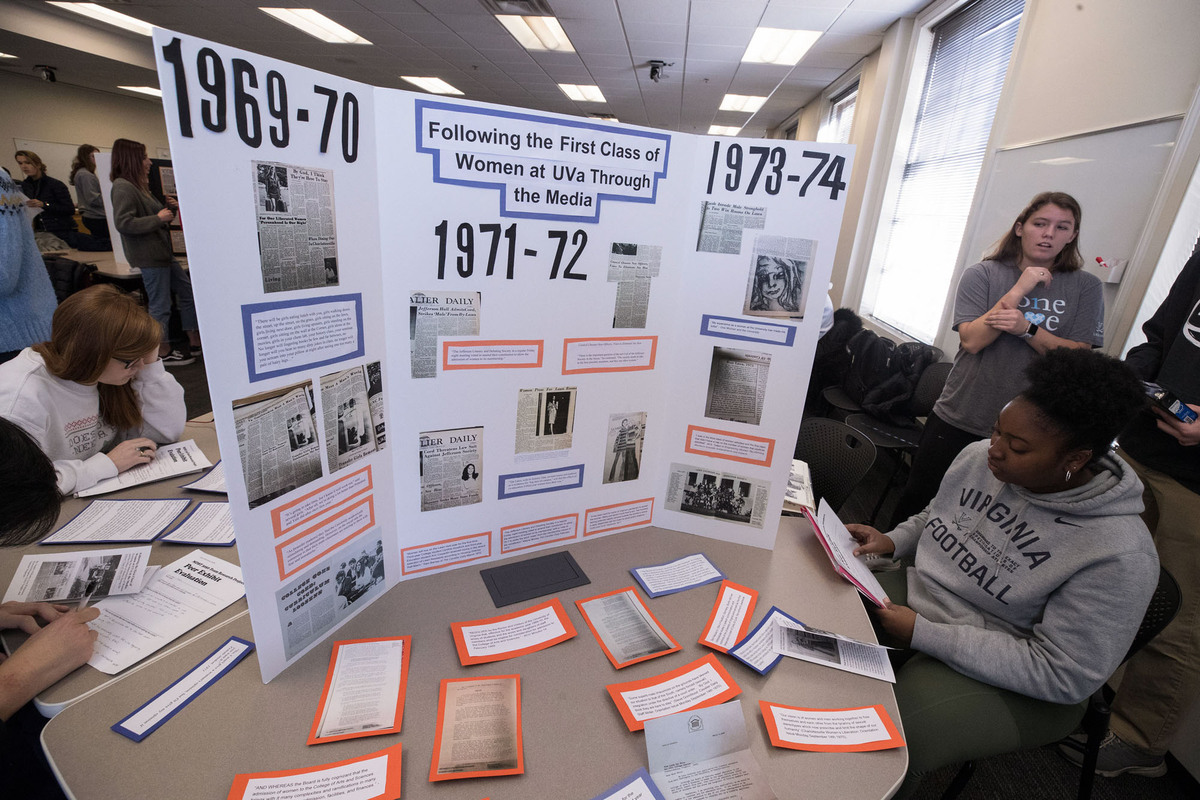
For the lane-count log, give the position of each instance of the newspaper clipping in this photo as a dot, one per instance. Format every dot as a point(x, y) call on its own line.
point(623, 457)
point(778, 283)
point(451, 468)
point(737, 385)
point(296, 238)
point(277, 442)
point(352, 401)
point(717, 494)
point(435, 314)
point(631, 267)
point(721, 226)
point(545, 419)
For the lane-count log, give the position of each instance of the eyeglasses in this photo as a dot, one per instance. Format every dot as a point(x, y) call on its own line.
point(139, 361)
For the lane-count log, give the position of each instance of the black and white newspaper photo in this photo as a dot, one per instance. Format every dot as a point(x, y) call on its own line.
point(352, 416)
point(78, 575)
point(451, 468)
point(623, 454)
point(631, 267)
point(625, 626)
point(480, 729)
point(721, 226)
point(737, 385)
point(432, 315)
point(840, 652)
point(717, 494)
point(328, 591)
point(297, 241)
point(277, 442)
point(778, 282)
point(545, 419)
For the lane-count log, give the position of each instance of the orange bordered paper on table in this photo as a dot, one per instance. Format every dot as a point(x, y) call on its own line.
point(830, 730)
point(627, 631)
point(377, 772)
point(371, 675)
point(512, 635)
point(700, 684)
point(730, 618)
point(478, 729)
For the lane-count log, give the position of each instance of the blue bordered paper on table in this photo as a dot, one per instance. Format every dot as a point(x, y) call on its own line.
point(757, 651)
point(638, 786)
point(678, 575)
point(171, 700)
point(111, 521)
point(208, 524)
point(211, 481)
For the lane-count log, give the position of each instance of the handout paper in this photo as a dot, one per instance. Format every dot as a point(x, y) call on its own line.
point(676, 576)
point(65, 577)
point(757, 650)
point(700, 684)
point(169, 460)
point(797, 640)
point(478, 729)
point(375, 776)
point(705, 753)
point(799, 489)
point(104, 521)
point(183, 594)
point(625, 628)
point(364, 689)
point(730, 617)
point(830, 730)
point(170, 701)
point(209, 524)
point(638, 786)
point(512, 635)
point(839, 545)
point(211, 481)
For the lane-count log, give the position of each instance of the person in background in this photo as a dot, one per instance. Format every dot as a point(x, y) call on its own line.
point(91, 202)
point(48, 194)
point(1162, 681)
point(27, 298)
point(144, 224)
point(1028, 296)
point(1032, 573)
point(95, 396)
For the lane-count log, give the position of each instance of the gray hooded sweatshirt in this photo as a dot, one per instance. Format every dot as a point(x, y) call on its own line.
point(1037, 593)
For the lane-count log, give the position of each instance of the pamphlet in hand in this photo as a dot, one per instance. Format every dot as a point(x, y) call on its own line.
point(797, 640)
point(839, 545)
point(170, 460)
point(799, 493)
point(81, 575)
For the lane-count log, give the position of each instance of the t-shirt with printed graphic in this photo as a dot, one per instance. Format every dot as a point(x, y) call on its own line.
point(980, 384)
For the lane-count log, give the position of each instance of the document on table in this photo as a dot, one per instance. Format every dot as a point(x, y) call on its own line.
point(757, 650)
point(210, 523)
point(839, 546)
point(625, 628)
point(797, 640)
point(638, 786)
point(182, 595)
point(676, 576)
point(67, 577)
point(830, 730)
point(106, 521)
point(512, 635)
point(478, 729)
point(374, 776)
point(730, 617)
point(364, 690)
point(700, 684)
point(169, 460)
point(211, 481)
point(705, 753)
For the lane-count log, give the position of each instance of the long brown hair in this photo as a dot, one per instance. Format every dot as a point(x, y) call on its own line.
point(1008, 249)
point(90, 328)
point(128, 163)
point(33, 159)
point(84, 160)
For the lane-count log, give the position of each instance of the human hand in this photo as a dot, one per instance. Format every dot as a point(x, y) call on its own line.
point(1187, 434)
point(172, 202)
point(25, 616)
point(870, 540)
point(1006, 319)
point(132, 453)
point(1030, 278)
point(897, 621)
point(46, 657)
point(35, 203)
point(166, 214)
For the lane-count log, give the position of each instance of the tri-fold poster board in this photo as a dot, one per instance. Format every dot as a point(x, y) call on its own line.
point(440, 332)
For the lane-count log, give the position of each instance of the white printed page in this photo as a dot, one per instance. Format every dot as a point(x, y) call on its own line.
point(119, 521)
point(364, 690)
point(539, 626)
point(170, 460)
point(56, 577)
point(675, 576)
point(709, 748)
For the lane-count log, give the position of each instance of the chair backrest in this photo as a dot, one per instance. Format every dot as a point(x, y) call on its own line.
point(929, 387)
point(837, 455)
point(1164, 605)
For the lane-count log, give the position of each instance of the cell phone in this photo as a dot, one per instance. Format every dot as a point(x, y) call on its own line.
point(1167, 401)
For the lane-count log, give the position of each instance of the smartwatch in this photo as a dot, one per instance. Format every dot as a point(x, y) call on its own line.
point(1029, 334)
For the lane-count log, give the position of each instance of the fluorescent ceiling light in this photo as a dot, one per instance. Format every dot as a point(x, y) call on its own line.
point(150, 90)
point(6, 55)
point(779, 46)
point(742, 102)
point(537, 33)
point(434, 85)
point(105, 14)
point(315, 24)
point(723, 130)
point(604, 117)
point(582, 93)
point(1063, 161)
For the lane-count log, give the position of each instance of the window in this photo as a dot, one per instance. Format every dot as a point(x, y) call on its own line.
point(919, 238)
point(840, 116)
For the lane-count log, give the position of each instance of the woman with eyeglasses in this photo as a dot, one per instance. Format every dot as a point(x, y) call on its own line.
point(96, 397)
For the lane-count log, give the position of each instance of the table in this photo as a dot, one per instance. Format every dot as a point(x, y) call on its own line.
point(575, 743)
point(87, 679)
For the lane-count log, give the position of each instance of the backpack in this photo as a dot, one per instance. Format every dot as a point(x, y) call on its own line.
point(891, 398)
point(871, 364)
point(831, 361)
point(68, 276)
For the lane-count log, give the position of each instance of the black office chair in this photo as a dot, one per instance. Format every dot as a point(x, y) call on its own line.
point(838, 456)
point(1164, 605)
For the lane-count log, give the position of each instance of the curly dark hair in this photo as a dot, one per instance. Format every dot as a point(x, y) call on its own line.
point(31, 501)
point(1088, 396)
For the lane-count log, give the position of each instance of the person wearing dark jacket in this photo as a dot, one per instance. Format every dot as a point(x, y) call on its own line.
point(48, 194)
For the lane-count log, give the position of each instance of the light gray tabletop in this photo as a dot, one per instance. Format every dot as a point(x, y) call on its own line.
point(575, 743)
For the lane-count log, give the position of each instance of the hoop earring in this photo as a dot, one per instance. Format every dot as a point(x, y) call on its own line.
point(1068, 476)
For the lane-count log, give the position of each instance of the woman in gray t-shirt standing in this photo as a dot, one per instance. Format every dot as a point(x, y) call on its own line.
point(1028, 296)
